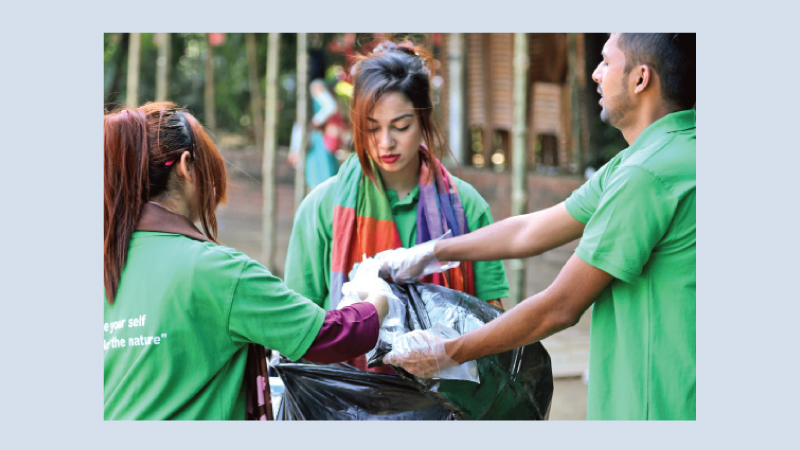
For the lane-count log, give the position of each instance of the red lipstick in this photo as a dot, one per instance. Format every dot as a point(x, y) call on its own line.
point(388, 159)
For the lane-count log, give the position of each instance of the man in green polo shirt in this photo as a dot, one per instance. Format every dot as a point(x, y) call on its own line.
point(636, 258)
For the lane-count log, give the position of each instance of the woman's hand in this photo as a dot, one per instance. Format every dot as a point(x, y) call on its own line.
point(293, 159)
point(382, 305)
point(366, 285)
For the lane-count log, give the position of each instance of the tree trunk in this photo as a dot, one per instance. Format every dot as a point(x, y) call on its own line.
point(455, 115)
point(519, 199)
point(256, 105)
point(580, 52)
point(302, 117)
point(134, 56)
point(119, 60)
point(574, 106)
point(269, 219)
point(208, 90)
point(162, 66)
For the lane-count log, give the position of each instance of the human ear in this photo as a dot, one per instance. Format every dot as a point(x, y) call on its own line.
point(643, 74)
point(183, 166)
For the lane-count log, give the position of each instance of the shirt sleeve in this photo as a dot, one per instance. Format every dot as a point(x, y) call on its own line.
point(630, 218)
point(490, 276)
point(265, 311)
point(584, 200)
point(307, 268)
point(346, 333)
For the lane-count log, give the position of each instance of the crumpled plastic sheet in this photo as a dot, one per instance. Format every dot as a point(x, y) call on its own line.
point(514, 385)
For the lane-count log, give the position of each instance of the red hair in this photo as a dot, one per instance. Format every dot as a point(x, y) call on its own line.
point(394, 67)
point(138, 145)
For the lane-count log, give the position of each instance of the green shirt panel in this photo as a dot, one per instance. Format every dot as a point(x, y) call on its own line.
point(309, 254)
point(639, 211)
point(185, 311)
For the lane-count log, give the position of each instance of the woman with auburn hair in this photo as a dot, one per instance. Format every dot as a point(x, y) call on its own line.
point(182, 313)
point(394, 192)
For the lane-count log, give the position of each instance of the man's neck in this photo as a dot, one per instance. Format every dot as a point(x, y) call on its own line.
point(645, 117)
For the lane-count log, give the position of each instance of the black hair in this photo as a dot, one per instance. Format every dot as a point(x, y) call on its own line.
point(672, 56)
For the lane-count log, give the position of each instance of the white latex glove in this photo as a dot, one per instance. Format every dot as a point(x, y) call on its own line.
point(365, 281)
point(404, 265)
point(422, 353)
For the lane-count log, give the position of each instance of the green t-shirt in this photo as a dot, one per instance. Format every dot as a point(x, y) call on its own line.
point(176, 337)
point(639, 211)
point(308, 259)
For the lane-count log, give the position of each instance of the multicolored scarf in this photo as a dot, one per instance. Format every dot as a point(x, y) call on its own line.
point(363, 222)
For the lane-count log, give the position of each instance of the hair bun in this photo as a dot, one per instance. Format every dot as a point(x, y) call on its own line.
point(386, 46)
point(406, 47)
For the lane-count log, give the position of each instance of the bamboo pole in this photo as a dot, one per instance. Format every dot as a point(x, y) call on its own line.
point(519, 199)
point(302, 117)
point(455, 116)
point(256, 105)
point(269, 218)
point(580, 45)
point(134, 58)
point(162, 66)
point(574, 107)
point(208, 90)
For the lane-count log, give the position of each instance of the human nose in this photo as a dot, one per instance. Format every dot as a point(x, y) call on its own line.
point(597, 75)
point(385, 139)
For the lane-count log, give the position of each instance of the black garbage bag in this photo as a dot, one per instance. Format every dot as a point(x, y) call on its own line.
point(514, 385)
point(342, 392)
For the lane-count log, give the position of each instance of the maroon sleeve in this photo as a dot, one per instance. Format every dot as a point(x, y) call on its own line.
point(345, 334)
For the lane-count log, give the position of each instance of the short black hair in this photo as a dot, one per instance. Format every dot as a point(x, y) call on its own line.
point(672, 56)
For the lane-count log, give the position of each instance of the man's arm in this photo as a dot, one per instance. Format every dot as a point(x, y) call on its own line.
point(558, 307)
point(516, 237)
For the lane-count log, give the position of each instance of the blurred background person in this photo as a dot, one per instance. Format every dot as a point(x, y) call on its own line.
point(324, 138)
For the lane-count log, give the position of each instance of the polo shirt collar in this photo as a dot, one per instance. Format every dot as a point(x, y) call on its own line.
point(156, 218)
point(676, 121)
point(409, 199)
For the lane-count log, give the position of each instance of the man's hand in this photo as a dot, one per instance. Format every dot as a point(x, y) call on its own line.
point(422, 353)
point(404, 265)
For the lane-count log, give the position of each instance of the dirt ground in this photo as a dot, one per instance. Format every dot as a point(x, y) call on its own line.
point(240, 228)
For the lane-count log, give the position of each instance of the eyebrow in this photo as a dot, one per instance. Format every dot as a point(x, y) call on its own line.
point(393, 120)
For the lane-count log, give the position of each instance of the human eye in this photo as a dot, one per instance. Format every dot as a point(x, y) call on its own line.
point(402, 128)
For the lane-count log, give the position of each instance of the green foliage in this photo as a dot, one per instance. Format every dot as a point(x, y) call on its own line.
point(231, 84)
point(231, 76)
point(187, 77)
